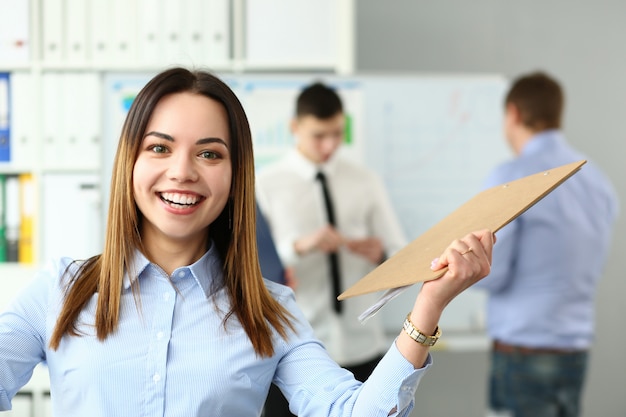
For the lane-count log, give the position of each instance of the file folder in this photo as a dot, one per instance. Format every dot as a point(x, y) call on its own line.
point(81, 102)
point(14, 32)
point(74, 230)
point(219, 30)
point(52, 121)
point(5, 142)
point(26, 240)
point(52, 22)
point(76, 20)
point(12, 216)
point(3, 237)
point(100, 43)
point(150, 31)
point(22, 129)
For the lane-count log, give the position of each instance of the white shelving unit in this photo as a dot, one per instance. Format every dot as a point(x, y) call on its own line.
point(57, 76)
point(56, 88)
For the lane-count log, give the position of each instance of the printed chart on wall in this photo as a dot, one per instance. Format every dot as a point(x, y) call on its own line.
point(434, 139)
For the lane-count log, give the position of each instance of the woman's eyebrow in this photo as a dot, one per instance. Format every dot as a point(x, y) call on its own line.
point(211, 140)
point(198, 142)
point(160, 135)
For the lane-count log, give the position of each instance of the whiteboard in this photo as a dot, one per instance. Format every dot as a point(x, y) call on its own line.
point(434, 139)
point(431, 138)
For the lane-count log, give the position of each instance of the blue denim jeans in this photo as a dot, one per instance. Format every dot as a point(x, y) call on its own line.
point(537, 385)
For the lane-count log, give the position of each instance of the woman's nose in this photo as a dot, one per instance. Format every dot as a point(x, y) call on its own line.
point(182, 169)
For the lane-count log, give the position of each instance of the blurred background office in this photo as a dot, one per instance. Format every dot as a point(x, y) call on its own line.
point(578, 41)
point(62, 58)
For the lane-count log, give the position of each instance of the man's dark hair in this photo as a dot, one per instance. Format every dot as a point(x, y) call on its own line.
point(539, 99)
point(318, 100)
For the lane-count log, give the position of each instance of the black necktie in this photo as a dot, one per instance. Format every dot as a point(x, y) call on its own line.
point(333, 258)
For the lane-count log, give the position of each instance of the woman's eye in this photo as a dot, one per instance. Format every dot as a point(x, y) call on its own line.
point(209, 155)
point(158, 149)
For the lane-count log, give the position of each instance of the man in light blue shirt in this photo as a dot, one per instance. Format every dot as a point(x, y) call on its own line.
point(546, 265)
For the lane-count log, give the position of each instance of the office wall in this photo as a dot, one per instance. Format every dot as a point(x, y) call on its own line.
point(580, 42)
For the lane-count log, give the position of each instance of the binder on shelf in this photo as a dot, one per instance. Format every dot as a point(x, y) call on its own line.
point(219, 30)
point(75, 13)
point(26, 240)
point(100, 37)
point(52, 20)
point(14, 31)
point(123, 29)
point(53, 149)
point(5, 113)
point(172, 30)
point(3, 237)
point(12, 217)
point(80, 120)
point(149, 32)
point(193, 32)
point(21, 121)
point(73, 230)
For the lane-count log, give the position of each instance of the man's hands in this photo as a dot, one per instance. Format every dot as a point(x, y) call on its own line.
point(328, 240)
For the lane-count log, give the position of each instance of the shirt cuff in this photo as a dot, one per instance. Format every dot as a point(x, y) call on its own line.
point(396, 380)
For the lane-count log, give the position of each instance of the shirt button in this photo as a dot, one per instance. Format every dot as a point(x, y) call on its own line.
point(159, 335)
point(166, 296)
point(156, 377)
point(181, 274)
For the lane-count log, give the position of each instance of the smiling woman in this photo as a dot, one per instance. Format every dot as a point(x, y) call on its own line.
point(174, 317)
point(182, 177)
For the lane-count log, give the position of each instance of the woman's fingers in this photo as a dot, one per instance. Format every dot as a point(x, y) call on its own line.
point(468, 256)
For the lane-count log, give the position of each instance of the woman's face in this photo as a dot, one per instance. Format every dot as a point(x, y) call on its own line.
point(182, 175)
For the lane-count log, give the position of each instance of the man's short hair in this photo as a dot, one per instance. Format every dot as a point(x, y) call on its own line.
point(539, 99)
point(318, 100)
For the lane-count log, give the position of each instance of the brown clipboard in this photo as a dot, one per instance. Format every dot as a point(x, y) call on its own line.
point(490, 209)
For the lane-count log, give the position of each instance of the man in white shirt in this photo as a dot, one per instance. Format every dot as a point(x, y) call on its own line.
point(360, 232)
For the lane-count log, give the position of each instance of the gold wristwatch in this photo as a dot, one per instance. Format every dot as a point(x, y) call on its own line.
point(417, 335)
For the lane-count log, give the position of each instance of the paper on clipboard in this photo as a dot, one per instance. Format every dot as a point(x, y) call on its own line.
point(490, 209)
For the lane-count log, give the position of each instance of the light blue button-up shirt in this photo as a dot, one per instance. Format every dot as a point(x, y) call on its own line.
point(172, 356)
point(546, 264)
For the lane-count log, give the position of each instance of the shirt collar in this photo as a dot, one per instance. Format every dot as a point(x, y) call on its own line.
point(308, 169)
point(206, 271)
point(542, 141)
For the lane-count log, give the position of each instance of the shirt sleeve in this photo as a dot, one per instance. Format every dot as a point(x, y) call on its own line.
point(315, 385)
point(390, 390)
point(22, 337)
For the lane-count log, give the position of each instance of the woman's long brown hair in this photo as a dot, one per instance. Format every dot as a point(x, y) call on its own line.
point(103, 274)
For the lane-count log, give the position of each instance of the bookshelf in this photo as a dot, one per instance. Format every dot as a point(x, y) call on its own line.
point(57, 55)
